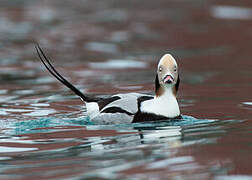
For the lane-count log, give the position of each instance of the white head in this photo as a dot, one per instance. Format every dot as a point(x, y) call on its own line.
point(167, 77)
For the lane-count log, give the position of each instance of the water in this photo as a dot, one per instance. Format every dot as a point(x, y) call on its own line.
point(71, 147)
point(106, 47)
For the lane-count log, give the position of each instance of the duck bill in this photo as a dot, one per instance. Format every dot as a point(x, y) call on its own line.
point(168, 79)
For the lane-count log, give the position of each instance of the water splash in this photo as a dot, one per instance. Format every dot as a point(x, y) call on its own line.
point(34, 126)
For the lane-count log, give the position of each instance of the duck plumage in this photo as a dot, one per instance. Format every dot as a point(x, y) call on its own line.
point(131, 107)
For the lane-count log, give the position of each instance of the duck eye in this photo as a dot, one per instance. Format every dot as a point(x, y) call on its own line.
point(160, 69)
point(175, 69)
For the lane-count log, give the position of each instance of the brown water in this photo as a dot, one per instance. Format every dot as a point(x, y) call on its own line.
point(113, 46)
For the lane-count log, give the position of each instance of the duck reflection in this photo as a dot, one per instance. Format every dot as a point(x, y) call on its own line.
point(143, 134)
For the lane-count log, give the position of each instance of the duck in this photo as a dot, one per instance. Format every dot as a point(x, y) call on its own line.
point(130, 107)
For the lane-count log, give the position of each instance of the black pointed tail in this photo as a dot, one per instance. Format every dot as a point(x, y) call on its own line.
point(55, 73)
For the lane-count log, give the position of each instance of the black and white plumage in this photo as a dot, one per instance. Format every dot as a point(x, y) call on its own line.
point(131, 107)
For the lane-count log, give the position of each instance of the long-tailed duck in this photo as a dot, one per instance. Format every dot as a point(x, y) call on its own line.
point(131, 107)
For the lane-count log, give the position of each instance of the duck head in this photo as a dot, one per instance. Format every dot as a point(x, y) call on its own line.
point(167, 78)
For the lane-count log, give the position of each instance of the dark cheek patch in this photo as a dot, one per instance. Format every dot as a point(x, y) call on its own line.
point(175, 88)
point(158, 89)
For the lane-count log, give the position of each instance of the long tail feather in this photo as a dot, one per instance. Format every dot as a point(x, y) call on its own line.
point(56, 74)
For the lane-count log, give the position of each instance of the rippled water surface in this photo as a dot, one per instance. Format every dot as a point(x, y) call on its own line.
point(112, 46)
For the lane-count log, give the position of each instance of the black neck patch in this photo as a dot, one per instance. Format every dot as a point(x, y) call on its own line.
point(157, 85)
point(177, 84)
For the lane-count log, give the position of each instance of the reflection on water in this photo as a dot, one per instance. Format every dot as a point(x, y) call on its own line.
point(118, 64)
point(232, 12)
point(101, 151)
point(102, 47)
point(107, 47)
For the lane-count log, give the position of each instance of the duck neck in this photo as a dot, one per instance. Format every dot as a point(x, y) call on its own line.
point(166, 93)
point(160, 90)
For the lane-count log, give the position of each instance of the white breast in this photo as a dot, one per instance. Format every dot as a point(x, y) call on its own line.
point(165, 105)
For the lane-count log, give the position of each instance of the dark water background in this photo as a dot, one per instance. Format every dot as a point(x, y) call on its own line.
point(113, 46)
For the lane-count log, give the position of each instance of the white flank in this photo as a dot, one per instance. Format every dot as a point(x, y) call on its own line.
point(92, 109)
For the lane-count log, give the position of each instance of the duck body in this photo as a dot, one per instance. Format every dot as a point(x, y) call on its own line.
point(131, 107)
